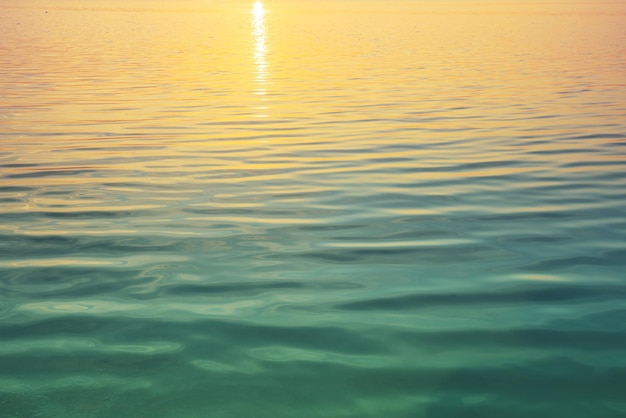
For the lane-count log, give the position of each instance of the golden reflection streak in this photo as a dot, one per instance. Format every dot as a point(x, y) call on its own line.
point(260, 50)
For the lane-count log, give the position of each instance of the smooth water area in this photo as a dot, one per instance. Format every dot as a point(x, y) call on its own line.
point(323, 209)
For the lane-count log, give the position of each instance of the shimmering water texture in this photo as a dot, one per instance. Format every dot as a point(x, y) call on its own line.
point(331, 209)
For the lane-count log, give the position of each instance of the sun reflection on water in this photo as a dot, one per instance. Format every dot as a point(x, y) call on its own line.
point(259, 34)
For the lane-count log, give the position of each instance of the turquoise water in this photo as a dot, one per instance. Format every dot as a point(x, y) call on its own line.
point(348, 209)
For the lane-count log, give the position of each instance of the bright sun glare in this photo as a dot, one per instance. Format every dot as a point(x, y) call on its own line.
point(258, 9)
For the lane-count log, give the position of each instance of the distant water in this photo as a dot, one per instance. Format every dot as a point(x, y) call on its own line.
point(341, 209)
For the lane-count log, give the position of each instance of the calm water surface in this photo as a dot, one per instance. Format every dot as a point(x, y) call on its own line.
point(332, 209)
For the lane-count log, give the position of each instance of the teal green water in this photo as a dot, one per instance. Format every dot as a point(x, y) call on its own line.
point(342, 209)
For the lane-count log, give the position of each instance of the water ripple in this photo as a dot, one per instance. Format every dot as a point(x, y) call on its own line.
point(312, 209)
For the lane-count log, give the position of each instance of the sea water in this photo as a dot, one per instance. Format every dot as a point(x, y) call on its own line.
point(312, 209)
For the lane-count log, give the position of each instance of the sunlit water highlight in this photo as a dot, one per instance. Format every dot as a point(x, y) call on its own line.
point(286, 209)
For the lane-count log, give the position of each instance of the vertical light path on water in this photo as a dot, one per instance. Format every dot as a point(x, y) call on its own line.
point(260, 55)
point(322, 209)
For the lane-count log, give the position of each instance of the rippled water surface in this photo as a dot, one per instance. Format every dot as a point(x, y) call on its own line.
point(331, 209)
